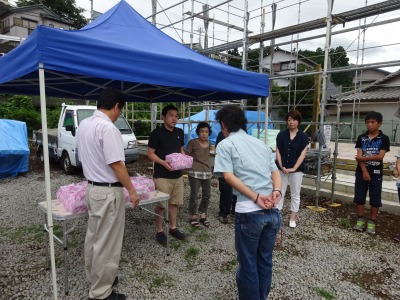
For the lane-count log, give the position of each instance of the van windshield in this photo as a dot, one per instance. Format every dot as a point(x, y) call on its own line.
point(123, 125)
point(121, 122)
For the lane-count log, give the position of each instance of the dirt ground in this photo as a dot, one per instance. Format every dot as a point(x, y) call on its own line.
point(387, 227)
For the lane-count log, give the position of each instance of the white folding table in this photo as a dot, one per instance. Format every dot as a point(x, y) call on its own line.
point(60, 214)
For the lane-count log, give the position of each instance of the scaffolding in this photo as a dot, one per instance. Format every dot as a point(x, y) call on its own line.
point(204, 12)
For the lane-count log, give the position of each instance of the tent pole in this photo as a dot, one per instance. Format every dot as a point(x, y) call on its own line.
point(47, 175)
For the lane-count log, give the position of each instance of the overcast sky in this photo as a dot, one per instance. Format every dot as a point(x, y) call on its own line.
point(381, 42)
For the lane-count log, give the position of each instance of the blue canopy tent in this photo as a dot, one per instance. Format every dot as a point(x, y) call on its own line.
point(252, 118)
point(120, 49)
point(123, 50)
point(14, 150)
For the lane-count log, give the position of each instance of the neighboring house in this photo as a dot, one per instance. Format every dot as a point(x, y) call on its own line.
point(16, 23)
point(368, 76)
point(383, 95)
point(284, 63)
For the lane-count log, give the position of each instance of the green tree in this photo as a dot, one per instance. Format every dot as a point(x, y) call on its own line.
point(338, 57)
point(20, 108)
point(66, 9)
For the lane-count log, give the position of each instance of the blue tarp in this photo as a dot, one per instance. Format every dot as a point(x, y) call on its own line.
point(252, 118)
point(121, 49)
point(14, 150)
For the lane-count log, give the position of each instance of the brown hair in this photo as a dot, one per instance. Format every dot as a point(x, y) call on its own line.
point(295, 115)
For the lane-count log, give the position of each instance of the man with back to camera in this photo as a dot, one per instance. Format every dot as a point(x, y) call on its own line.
point(247, 165)
point(101, 152)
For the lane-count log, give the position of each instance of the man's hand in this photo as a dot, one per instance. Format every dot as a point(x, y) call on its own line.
point(167, 166)
point(134, 198)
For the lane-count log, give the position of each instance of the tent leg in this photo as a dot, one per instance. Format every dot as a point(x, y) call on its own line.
point(47, 176)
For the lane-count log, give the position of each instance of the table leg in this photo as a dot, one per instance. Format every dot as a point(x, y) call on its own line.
point(166, 221)
point(65, 246)
point(46, 242)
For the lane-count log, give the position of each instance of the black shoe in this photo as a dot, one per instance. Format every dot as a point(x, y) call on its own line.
point(116, 281)
point(177, 234)
point(161, 238)
point(115, 296)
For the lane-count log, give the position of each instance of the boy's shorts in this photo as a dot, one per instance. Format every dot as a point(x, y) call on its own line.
point(172, 187)
point(361, 188)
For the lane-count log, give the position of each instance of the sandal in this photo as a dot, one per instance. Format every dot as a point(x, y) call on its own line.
point(205, 222)
point(194, 222)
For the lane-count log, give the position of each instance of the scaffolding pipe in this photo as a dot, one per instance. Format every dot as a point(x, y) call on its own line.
point(335, 152)
point(323, 98)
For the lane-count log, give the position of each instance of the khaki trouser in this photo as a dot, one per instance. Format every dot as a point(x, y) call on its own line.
point(104, 237)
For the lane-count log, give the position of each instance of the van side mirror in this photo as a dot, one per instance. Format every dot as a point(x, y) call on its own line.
point(70, 128)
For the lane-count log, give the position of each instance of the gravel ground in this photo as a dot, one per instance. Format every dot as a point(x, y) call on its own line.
point(321, 259)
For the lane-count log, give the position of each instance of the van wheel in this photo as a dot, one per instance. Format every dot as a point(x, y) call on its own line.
point(66, 164)
point(40, 154)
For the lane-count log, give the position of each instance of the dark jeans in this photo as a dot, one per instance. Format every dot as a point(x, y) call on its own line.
point(227, 201)
point(255, 234)
point(195, 185)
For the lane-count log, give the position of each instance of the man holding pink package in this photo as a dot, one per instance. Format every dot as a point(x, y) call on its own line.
point(163, 141)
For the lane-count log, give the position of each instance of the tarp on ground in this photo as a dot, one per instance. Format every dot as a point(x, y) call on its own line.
point(14, 149)
point(123, 50)
point(209, 116)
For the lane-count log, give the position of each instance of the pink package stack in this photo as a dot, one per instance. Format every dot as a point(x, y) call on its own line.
point(73, 197)
point(143, 186)
point(179, 161)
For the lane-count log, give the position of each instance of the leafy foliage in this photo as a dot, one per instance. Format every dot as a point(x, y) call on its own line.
point(66, 9)
point(338, 57)
point(20, 108)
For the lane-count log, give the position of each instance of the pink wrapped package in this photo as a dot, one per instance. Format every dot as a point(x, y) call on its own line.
point(73, 197)
point(179, 161)
point(143, 186)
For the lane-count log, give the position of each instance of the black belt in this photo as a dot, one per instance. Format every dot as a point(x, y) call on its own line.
point(119, 184)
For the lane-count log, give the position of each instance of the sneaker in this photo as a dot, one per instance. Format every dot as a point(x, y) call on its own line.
point(359, 225)
point(177, 234)
point(397, 238)
point(371, 227)
point(223, 220)
point(292, 224)
point(161, 238)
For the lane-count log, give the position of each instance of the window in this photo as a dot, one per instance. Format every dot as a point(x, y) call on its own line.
point(290, 65)
point(82, 114)
point(69, 118)
point(26, 23)
point(5, 26)
point(17, 21)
